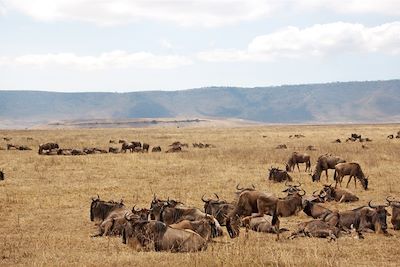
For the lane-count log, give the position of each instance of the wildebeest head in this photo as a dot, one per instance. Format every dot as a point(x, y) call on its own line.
point(379, 216)
point(242, 189)
point(364, 182)
point(292, 189)
point(100, 209)
point(157, 205)
point(142, 213)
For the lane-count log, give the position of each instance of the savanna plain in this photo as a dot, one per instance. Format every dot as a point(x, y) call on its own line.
point(45, 200)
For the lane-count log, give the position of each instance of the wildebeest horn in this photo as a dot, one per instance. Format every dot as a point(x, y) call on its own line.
point(297, 185)
point(314, 193)
point(216, 195)
point(253, 186)
point(126, 218)
point(238, 188)
point(389, 201)
point(154, 196)
point(202, 198)
point(371, 206)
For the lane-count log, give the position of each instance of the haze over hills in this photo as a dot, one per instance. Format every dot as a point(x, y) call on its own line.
point(341, 102)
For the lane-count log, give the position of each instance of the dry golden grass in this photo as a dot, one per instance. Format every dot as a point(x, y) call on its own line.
point(44, 201)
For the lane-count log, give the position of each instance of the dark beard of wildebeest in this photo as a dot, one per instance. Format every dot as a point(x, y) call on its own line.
point(99, 209)
point(277, 175)
point(395, 204)
point(366, 218)
point(217, 208)
point(157, 236)
point(48, 147)
point(340, 195)
point(261, 203)
point(324, 163)
point(297, 158)
point(353, 170)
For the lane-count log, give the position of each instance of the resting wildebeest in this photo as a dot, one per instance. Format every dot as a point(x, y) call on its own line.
point(9, 146)
point(205, 227)
point(338, 194)
point(297, 158)
point(146, 147)
point(174, 149)
point(395, 204)
point(157, 204)
point(23, 147)
point(156, 149)
point(324, 163)
point(262, 224)
point(321, 228)
point(390, 136)
point(278, 175)
point(47, 147)
point(315, 210)
point(260, 203)
point(311, 148)
point(353, 170)
point(366, 218)
point(2, 176)
point(157, 236)
point(7, 138)
point(217, 208)
point(114, 150)
point(282, 146)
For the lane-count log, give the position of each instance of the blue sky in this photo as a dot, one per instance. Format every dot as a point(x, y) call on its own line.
point(121, 45)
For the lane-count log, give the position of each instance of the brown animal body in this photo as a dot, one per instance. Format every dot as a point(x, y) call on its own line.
point(278, 175)
point(157, 236)
point(113, 150)
point(353, 170)
point(174, 149)
point(297, 158)
point(391, 136)
point(47, 147)
point(315, 210)
point(282, 146)
point(395, 204)
point(146, 147)
point(338, 194)
point(261, 224)
point(324, 163)
point(156, 149)
point(205, 227)
point(9, 146)
point(218, 208)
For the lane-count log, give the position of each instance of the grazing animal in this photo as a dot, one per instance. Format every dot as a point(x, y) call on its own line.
point(47, 147)
point(353, 170)
point(366, 218)
point(297, 158)
point(278, 175)
point(156, 149)
point(217, 208)
point(120, 141)
point(282, 146)
point(338, 194)
point(127, 146)
point(146, 147)
point(2, 176)
point(315, 210)
point(324, 163)
point(320, 228)
point(157, 236)
point(395, 204)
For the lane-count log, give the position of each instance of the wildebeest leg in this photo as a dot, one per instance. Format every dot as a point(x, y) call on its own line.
point(342, 198)
point(351, 176)
point(298, 166)
point(326, 173)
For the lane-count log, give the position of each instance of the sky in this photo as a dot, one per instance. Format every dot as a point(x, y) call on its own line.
point(121, 45)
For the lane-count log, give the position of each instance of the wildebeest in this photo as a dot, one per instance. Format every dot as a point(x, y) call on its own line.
point(315, 210)
point(321, 228)
point(157, 204)
point(23, 147)
point(2, 176)
point(77, 152)
point(7, 139)
point(338, 194)
point(297, 158)
point(278, 175)
point(112, 141)
point(114, 150)
point(262, 224)
point(205, 227)
point(47, 147)
point(324, 163)
point(311, 148)
point(337, 141)
point(63, 151)
point(282, 146)
point(366, 218)
point(174, 149)
point(395, 204)
point(146, 147)
point(157, 236)
point(120, 141)
point(353, 170)
point(156, 149)
point(217, 208)
point(390, 136)
point(9, 146)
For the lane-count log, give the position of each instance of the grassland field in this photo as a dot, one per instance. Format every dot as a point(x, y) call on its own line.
point(45, 200)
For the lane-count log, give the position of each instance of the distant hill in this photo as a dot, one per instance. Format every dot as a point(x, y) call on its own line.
point(341, 102)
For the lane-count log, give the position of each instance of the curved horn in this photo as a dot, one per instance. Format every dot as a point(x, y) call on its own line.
point(314, 193)
point(202, 198)
point(253, 186)
point(133, 208)
point(126, 218)
point(303, 191)
point(371, 206)
point(389, 201)
point(298, 185)
point(238, 188)
point(216, 195)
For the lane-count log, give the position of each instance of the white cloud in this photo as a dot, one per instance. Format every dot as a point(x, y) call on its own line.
point(317, 40)
point(208, 13)
point(114, 59)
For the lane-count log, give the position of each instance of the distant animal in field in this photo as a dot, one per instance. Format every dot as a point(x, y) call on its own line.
point(29, 138)
point(114, 150)
point(7, 139)
point(23, 147)
point(337, 141)
point(174, 149)
point(282, 146)
point(311, 148)
point(398, 134)
point(47, 147)
point(112, 141)
point(364, 147)
point(178, 143)
point(2, 175)
point(395, 204)
point(296, 136)
point(278, 175)
point(297, 158)
point(324, 163)
point(353, 170)
point(77, 152)
point(146, 147)
point(390, 136)
point(10, 146)
point(120, 141)
point(156, 149)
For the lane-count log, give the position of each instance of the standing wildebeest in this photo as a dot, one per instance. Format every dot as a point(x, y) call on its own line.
point(157, 236)
point(321, 228)
point(156, 149)
point(366, 218)
point(395, 204)
point(217, 208)
point(338, 194)
point(278, 175)
point(146, 147)
point(2, 176)
point(297, 158)
point(324, 163)
point(48, 147)
point(353, 170)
